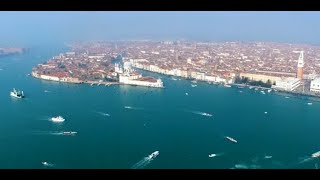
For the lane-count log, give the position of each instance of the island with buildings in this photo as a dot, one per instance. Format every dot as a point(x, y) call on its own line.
point(279, 66)
point(94, 66)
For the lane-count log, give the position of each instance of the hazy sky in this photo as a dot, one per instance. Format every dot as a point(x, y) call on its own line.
point(50, 27)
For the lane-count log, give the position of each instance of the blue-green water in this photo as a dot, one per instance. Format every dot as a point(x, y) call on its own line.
point(161, 119)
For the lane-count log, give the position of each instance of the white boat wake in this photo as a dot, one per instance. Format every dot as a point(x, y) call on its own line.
point(47, 164)
point(201, 113)
point(145, 161)
point(133, 108)
point(305, 160)
point(215, 155)
point(142, 163)
point(246, 166)
point(102, 113)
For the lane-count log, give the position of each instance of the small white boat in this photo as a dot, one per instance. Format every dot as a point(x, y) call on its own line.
point(212, 155)
point(269, 90)
point(57, 119)
point(194, 81)
point(187, 94)
point(266, 112)
point(128, 107)
point(287, 97)
point(309, 103)
point(174, 79)
point(206, 114)
point(45, 163)
point(193, 85)
point(70, 133)
point(227, 85)
point(231, 139)
point(267, 157)
point(153, 155)
point(262, 92)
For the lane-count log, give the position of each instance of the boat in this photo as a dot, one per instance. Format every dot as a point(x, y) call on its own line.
point(316, 154)
point(193, 85)
point(153, 155)
point(227, 85)
point(17, 94)
point(240, 91)
point(262, 92)
point(267, 157)
point(45, 163)
point(57, 119)
point(128, 107)
point(309, 103)
point(266, 112)
point(231, 139)
point(194, 81)
point(212, 155)
point(46, 91)
point(174, 79)
point(206, 114)
point(250, 87)
point(69, 132)
point(187, 94)
point(269, 90)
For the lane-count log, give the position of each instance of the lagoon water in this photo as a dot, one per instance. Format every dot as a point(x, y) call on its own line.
point(160, 119)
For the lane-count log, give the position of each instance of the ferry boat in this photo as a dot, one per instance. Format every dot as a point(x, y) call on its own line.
point(17, 94)
point(316, 154)
point(57, 119)
point(153, 155)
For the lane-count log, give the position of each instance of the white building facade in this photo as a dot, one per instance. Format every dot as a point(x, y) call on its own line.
point(288, 84)
point(315, 85)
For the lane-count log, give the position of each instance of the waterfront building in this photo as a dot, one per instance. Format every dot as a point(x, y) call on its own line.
point(127, 75)
point(287, 84)
point(315, 85)
point(261, 77)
